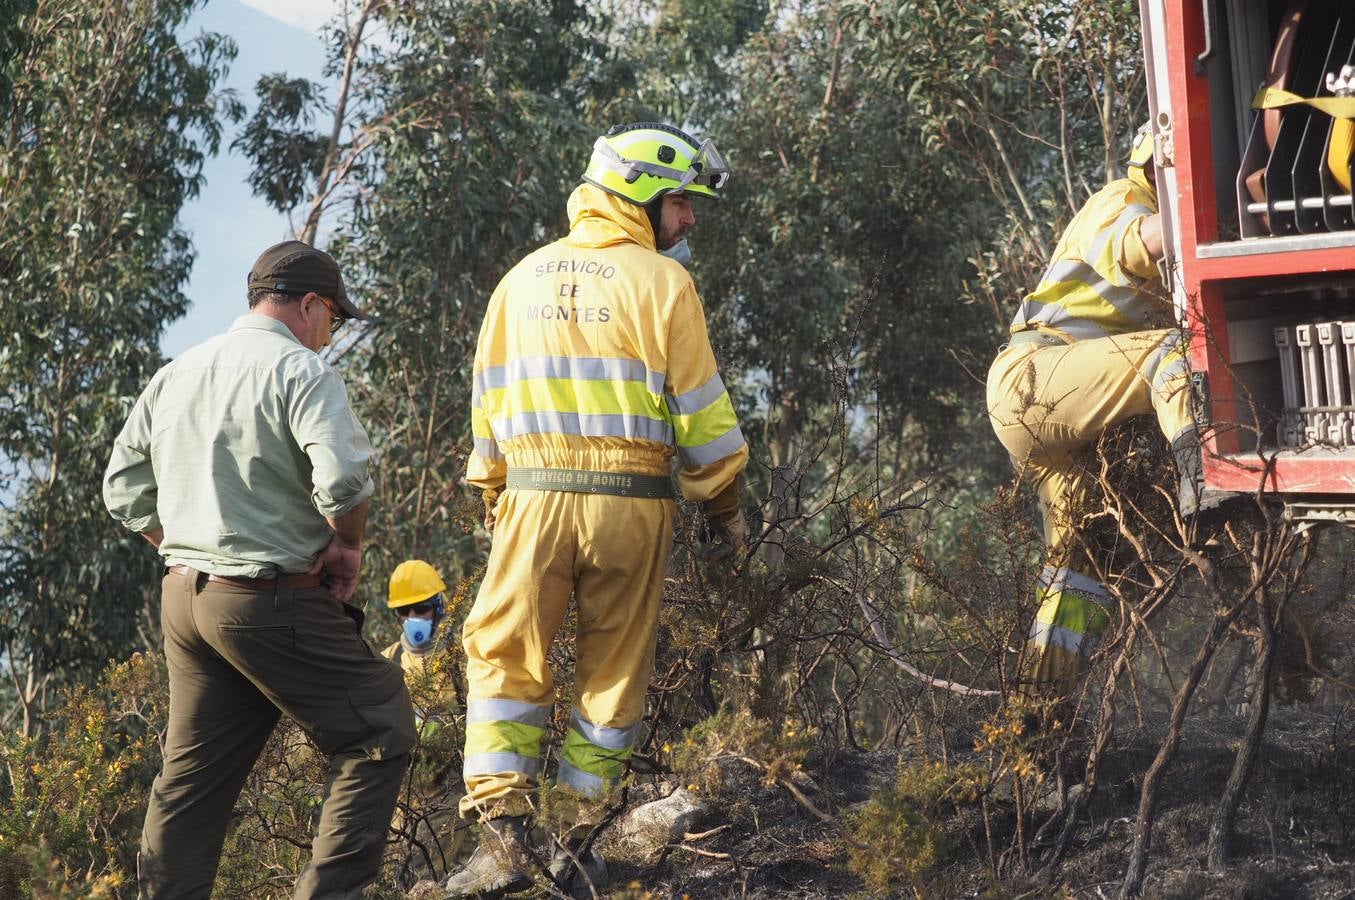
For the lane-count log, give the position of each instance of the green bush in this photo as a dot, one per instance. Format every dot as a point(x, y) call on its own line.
point(72, 799)
point(904, 832)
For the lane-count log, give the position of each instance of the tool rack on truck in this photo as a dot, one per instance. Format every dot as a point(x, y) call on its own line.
point(1257, 215)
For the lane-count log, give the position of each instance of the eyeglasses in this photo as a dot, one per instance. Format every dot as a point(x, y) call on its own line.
point(422, 610)
point(336, 317)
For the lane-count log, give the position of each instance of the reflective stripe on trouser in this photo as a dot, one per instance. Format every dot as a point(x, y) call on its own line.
point(1068, 624)
point(594, 756)
point(504, 736)
point(1048, 404)
point(610, 554)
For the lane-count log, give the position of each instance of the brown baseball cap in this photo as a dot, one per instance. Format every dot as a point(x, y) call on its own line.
point(293, 267)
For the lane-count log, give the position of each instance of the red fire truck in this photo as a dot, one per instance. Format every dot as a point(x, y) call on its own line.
point(1261, 243)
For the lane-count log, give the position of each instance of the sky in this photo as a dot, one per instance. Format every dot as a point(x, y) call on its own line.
point(230, 226)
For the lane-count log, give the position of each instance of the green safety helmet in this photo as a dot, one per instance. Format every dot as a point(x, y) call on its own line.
point(1141, 153)
point(642, 161)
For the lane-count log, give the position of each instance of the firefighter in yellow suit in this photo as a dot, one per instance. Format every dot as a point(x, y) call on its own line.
point(1093, 345)
point(416, 596)
point(426, 813)
point(593, 370)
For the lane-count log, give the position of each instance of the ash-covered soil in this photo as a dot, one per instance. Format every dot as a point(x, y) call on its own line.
point(1295, 833)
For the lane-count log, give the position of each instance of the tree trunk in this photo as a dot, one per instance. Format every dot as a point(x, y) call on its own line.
point(1143, 831)
point(1225, 814)
point(330, 166)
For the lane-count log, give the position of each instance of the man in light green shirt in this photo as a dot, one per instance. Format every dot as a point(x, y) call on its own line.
point(244, 464)
point(251, 415)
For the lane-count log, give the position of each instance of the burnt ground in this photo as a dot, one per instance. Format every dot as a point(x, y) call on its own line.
point(1295, 836)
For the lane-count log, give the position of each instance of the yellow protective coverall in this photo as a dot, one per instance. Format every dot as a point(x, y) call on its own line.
point(427, 811)
point(1087, 353)
point(593, 356)
point(428, 677)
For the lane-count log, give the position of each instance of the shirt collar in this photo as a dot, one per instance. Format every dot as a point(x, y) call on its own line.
point(266, 323)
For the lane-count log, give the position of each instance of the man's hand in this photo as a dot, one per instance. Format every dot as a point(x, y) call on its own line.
point(1150, 230)
point(340, 563)
point(154, 537)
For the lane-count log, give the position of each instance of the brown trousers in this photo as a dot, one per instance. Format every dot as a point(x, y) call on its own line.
point(237, 659)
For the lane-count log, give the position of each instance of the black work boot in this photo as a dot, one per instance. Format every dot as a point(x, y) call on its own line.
point(590, 870)
point(499, 865)
point(1192, 496)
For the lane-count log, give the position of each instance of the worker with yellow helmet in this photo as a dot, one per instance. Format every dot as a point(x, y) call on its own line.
point(1094, 344)
point(427, 813)
point(416, 595)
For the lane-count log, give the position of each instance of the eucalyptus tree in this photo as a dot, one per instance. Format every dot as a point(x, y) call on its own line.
point(465, 126)
point(1031, 104)
point(108, 115)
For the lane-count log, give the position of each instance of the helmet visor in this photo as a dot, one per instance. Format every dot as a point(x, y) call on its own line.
point(708, 168)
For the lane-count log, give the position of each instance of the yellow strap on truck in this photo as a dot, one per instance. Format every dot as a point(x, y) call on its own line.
point(1273, 98)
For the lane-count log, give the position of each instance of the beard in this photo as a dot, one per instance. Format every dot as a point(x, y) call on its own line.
point(665, 238)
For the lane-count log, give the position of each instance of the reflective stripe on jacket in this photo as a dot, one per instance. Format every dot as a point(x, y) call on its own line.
point(1102, 280)
point(594, 355)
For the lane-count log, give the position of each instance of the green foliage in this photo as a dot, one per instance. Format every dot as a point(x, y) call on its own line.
point(286, 154)
point(834, 272)
point(683, 51)
point(13, 40)
point(72, 800)
point(105, 129)
point(777, 750)
point(1031, 105)
point(905, 832)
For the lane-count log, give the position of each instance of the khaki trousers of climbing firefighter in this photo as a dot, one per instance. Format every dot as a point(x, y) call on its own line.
point(1048, 404)
point(610, 554)
point(237, 658)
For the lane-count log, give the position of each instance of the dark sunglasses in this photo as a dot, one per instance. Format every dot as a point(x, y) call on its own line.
point(336, 317)
point(426, 608)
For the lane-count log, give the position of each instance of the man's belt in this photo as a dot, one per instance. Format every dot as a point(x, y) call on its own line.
point(252, 584)
point(584, 481)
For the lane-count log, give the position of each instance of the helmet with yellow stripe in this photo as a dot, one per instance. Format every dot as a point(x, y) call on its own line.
point(642, 161)
point(1141, 158)
point(1141, 153)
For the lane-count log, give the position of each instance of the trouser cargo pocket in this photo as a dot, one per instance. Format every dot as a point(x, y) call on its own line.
point(382, 704)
